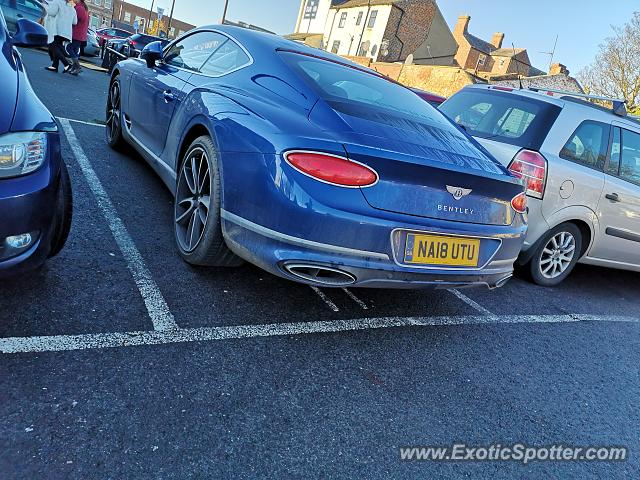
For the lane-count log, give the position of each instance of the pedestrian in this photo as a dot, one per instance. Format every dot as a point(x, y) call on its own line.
point(59, 21)
point(80, 33)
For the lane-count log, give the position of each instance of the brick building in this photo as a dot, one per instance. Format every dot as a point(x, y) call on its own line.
point(122, 14)
point(382, 30)
point(489, 59)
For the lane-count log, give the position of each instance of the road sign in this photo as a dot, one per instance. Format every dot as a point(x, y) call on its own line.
point(160, 13)
point(136, 25)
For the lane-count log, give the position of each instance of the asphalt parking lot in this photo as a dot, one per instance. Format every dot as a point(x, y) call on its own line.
point(121, 361)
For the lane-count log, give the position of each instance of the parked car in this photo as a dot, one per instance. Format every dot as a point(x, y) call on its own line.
point(92, 49)
point(432, 98)
point(106, 34)
point(312, 167)
point(581, 165)
point(134, 44)
point(35, 192)
point(15, 10)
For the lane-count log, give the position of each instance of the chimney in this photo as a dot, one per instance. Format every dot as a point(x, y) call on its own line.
point(462, 25)
point(497, 39)
point(558, 69)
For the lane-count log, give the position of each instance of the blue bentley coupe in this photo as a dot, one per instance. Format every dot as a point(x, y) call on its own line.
point(35, 191)
point(312, 167)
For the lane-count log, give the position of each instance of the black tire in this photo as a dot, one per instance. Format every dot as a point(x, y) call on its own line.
point(201, 242)
point(114, 118)
point(64, 213)
point(543, 260)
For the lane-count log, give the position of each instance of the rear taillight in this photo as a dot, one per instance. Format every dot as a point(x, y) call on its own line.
point(519, 203)
point(332, 169)
point(532, 168)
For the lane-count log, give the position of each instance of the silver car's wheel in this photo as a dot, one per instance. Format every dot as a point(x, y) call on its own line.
point(193, 200)
point(557, 255)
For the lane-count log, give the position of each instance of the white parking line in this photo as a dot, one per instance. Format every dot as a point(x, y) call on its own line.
point(159, 312)
point(353, 297)
point(93, 124)
point(471, 303)
point(325, 299)
point(186, 335)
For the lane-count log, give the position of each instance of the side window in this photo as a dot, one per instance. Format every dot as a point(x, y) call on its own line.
point(630, 158)
point(588, 145)
point(226, 58)
point(616, 150)
point(191, 52)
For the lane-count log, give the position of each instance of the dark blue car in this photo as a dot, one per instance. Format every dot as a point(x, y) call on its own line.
point(312, 167)
point(35, 192)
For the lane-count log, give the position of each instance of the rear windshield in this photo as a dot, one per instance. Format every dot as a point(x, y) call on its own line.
point(350, 90)
point(501, 116)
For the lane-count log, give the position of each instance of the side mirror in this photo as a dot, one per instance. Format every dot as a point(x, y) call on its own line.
point(152, 53)
point(29, 34)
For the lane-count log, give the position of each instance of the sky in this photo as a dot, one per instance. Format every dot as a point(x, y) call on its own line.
point(581, 25)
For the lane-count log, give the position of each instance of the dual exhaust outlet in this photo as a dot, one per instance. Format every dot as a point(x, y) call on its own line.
point(331, 277)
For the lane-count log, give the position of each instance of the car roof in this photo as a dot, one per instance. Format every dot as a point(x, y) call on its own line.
point(561, 99)
point(255, 39)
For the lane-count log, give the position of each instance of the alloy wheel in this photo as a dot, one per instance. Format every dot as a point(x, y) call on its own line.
point(113, 111)
point(557, 255)
point(193, 199)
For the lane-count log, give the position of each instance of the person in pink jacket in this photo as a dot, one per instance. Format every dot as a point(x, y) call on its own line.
point(79, 40)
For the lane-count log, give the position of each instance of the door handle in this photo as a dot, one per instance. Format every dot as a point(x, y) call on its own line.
point(168, 96)
point(614, 197)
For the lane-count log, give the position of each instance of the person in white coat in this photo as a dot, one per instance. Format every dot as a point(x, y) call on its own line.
point(59, 21)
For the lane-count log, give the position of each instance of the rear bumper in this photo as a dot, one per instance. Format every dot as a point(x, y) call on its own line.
point(274, 251)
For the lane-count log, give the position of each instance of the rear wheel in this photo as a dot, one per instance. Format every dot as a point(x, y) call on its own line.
point(197, 223)
point(114, 117)
point(64, 212)
point(556, 255)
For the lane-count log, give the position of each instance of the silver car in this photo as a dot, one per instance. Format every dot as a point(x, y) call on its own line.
point(581, 165)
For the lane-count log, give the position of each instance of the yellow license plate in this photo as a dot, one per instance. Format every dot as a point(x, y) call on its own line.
point(438, 250)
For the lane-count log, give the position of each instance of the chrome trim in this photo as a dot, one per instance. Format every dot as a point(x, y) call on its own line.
point(157, 159)
point(289, 266)
point(282, 237)
point(288, 152)
point(230, 37)
point(456, 269)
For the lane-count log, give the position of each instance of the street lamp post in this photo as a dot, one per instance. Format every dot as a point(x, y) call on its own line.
point(150, 13)
point(224, 12)
point(173, 4)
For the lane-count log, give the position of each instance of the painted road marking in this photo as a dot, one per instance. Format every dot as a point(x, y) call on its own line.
point(157, 307)
point(353, 297)
point(325, 299)
point(93, 124)
point(60, 343)
point(471, 303)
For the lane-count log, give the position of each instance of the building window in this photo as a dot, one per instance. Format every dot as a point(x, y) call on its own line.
point(359, 20)
point(97, 2)
point(127, 17)
point(343, 20)
point(372, 19)
point(502, 62)
point(311, 10)
point(95, 22)
point(108, 4)
point(374, 50)
point(335, 46)
point(172, 32)
point(481, 60)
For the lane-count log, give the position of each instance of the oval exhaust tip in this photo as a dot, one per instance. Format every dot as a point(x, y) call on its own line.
point(331, 277)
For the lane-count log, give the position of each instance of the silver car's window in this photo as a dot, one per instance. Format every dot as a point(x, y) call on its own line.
point(630, 158)
point(226, 58)
point(613, 167)
point(192, 52)
point(588, 145)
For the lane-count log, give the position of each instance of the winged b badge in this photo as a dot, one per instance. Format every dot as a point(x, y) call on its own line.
point(458, 192)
